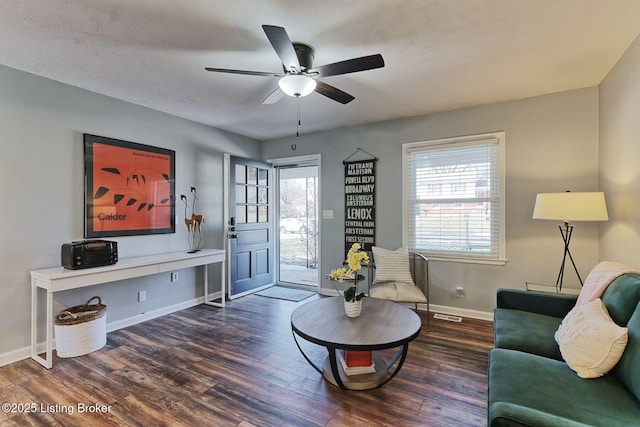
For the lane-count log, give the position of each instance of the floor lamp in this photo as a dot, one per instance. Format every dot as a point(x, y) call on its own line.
point(566, 207)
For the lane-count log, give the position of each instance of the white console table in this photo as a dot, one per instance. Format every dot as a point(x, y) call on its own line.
point(58, 279)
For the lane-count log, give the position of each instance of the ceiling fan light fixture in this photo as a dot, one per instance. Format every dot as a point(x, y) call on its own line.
point(297, 85)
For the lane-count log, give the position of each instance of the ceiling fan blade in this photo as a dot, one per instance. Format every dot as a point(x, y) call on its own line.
point(274, 96)
point(349, 66)
point(283, 46)
point(245, 72)
point(333, 93)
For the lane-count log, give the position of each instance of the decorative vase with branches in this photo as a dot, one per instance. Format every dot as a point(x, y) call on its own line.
point(193, 223)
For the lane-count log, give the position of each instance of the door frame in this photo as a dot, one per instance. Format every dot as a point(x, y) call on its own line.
point(316, 158)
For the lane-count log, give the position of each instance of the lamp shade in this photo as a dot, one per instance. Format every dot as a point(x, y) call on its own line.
point(297, 85)
point(570, 206)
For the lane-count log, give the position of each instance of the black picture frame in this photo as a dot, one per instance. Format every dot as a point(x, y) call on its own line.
point(129, 188)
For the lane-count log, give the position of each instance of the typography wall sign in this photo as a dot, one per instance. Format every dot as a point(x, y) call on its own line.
point(360, 206)
point(129, 188)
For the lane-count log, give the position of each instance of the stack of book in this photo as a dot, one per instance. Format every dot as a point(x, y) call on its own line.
point(356, 362)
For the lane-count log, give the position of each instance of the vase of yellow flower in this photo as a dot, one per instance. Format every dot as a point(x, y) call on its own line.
point(352, 299)
point(352, 307)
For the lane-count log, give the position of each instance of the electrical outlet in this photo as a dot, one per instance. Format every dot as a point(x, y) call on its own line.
point(174, 276)
point(142, 296)
point(460, 292)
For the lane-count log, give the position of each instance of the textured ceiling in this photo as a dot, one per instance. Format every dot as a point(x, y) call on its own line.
point(440, 54)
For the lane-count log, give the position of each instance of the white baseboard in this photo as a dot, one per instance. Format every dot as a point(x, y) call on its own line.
point(15, 355)
point(163, 311)
point(25, 352)
point(462, 312)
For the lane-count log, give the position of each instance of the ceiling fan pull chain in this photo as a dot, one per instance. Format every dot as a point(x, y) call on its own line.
point(298, 128)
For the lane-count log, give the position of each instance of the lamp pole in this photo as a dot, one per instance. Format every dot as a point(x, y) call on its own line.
point(566, 231)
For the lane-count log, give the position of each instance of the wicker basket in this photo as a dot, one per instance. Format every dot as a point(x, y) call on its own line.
point(81, 329)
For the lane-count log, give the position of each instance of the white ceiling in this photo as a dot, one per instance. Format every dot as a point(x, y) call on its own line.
point(440, 54)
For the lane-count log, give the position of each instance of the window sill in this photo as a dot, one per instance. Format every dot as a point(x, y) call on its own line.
point(466, 260)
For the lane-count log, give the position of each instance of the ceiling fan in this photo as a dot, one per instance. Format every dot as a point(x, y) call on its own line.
point(299, 76)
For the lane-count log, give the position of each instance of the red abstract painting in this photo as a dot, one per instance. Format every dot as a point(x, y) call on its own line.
point(129, 188)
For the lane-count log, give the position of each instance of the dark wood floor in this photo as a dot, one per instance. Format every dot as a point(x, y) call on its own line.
point(239, 366)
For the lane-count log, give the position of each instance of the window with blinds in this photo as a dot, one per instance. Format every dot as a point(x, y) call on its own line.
point(454, 197)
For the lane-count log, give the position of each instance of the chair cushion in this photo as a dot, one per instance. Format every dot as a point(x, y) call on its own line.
point(526, 331)
point(590, 342)
point(627, 369)
point(530, 390)
point(399, 292)
point(621, 297)
point(392, 266)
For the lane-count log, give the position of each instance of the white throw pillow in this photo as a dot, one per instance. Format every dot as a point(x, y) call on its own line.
point(392, 266)
point(590, 342)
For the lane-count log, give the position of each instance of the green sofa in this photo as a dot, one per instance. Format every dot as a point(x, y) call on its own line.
point(531, 385)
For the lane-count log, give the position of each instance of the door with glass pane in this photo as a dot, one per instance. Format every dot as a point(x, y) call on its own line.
point(251, 243)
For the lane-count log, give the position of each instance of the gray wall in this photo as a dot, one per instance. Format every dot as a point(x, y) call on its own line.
point(41, 184)
point(619, 154)
point(551, 145)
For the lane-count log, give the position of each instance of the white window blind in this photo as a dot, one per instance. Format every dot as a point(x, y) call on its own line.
point(453, 197)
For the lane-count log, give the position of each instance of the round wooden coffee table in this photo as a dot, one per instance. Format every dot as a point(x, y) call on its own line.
point(382, 325)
